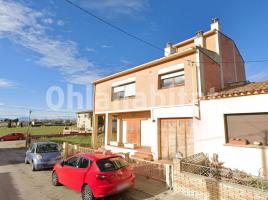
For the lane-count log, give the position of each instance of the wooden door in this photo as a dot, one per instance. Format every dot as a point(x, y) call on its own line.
point(175, 136)
point(134, 131)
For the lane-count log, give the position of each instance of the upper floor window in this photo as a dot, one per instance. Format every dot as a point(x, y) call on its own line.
point(123, 91)
point(171, 79)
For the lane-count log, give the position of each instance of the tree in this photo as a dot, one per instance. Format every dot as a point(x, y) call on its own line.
point(9, 124)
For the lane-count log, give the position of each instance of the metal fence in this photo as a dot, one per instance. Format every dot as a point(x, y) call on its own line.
point(226, 174)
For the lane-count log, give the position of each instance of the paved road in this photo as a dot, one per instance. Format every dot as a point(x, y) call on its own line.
point(18, 182)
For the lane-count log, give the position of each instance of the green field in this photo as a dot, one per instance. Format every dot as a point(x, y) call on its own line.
point(33, 130)
point(77, 139)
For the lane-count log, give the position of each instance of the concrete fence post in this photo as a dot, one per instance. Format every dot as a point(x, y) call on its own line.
point(169, 175)
point(65, 147)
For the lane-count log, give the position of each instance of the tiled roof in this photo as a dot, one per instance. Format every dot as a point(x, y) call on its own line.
point(244, 90)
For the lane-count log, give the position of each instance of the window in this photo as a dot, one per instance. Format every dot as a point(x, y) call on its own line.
point(72, 162)
point(171, 79)
point(83, 163)
point(114, 128)
point(47, 148)
point(123, 91)
point(246, 129)
point(111, 164)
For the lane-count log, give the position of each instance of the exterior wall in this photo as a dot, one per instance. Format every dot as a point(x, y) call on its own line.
point(210, 42)
point(84, 121)
point(232, 62)
point(209, 132)
point(147, 93)
point(211, 74)
point(240, 68)
point(201, 187)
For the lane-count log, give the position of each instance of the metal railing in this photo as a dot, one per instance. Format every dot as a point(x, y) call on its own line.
point(226, 174)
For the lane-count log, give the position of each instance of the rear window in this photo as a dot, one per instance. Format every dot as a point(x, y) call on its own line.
point(111, 164)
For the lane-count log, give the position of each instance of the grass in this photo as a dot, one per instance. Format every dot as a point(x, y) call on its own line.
point(33, 130)
point(77, 139)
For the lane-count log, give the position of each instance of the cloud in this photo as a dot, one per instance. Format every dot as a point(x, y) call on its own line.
point(260, 76)
point(6, 83)
point(90, 49)
point(116, 7)
point(60, 22)
point(105, 46)
point(26, 27)
point(48, 21)
point(125, 61)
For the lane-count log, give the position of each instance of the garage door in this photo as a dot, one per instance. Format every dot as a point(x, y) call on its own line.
point(176, 136)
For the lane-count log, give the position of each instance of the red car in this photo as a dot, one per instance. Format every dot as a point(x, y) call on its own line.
point(95, 175)
point(12, 136)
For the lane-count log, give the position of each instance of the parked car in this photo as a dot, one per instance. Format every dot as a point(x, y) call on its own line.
point(95, 175)
point(43, 155)
point(12, 136)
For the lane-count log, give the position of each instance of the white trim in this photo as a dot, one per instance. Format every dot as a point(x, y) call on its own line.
point(172, 75)
point(106, 128)
point(129, 80)
point(172, 68)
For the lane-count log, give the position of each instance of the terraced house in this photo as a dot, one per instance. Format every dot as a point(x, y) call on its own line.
point(149, 110)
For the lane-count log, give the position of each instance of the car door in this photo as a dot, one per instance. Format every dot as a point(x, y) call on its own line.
point(8, 137)
point(30, 153)
point(67, 169)
point(77, 175)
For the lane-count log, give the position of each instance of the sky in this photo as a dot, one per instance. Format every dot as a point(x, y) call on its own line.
point(50, 45)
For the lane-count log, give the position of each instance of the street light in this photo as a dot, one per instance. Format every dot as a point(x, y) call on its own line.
point(27, 135)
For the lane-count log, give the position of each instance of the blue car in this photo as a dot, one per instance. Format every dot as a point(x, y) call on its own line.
point(43, 155)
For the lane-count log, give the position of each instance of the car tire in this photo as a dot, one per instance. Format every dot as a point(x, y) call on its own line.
point(55, 179)
point(2, 140)
point(20, 138)
point(26, 161)
point(33, 166)
point(87, 193)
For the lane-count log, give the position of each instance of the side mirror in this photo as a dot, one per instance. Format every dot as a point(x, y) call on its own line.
point(62, 163)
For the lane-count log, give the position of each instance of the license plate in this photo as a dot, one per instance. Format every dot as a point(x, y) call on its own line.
point(122, 187)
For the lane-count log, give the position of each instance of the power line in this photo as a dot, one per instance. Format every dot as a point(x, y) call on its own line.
point(36, 109)
point(114, 26)
point(139, 38)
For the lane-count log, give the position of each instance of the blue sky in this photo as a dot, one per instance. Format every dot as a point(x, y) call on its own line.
point(50, 43)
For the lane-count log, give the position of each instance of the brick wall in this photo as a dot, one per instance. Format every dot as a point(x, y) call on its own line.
point(200, 187)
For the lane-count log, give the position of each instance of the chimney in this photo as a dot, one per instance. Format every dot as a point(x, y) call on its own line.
point(199, 39)
point(169, 49)
point(215, 24)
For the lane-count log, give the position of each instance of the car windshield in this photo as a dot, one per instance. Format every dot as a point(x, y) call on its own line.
point(111, 164)
point(47, 148)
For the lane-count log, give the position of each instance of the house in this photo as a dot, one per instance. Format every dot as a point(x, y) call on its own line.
point(234, 124)
point(84, 120)
point(149, 110)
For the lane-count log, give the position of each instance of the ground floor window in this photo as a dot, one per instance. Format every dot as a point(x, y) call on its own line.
point(114, 128)
point(247, 129)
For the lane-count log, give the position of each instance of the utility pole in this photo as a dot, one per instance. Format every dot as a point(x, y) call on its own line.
point(27, 136)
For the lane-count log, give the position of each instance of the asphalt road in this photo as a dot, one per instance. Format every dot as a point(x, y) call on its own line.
point(18, 182)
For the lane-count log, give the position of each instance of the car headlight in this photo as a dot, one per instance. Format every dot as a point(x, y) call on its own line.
point(39, 157)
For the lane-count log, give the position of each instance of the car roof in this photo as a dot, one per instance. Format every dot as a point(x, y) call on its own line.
point(40, 143)
point(98, 155)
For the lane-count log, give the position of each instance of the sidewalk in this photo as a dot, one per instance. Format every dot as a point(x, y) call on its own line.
point(155, 190)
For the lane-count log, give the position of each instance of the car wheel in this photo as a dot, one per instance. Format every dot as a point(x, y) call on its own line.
point(2, 140)
point(26, 161)
point(20, 138)
point(33, 166)
point(55, 179)
point(87, 193)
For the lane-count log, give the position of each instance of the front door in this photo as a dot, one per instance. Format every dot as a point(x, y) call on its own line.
point(134, 131)
point(176, 136)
